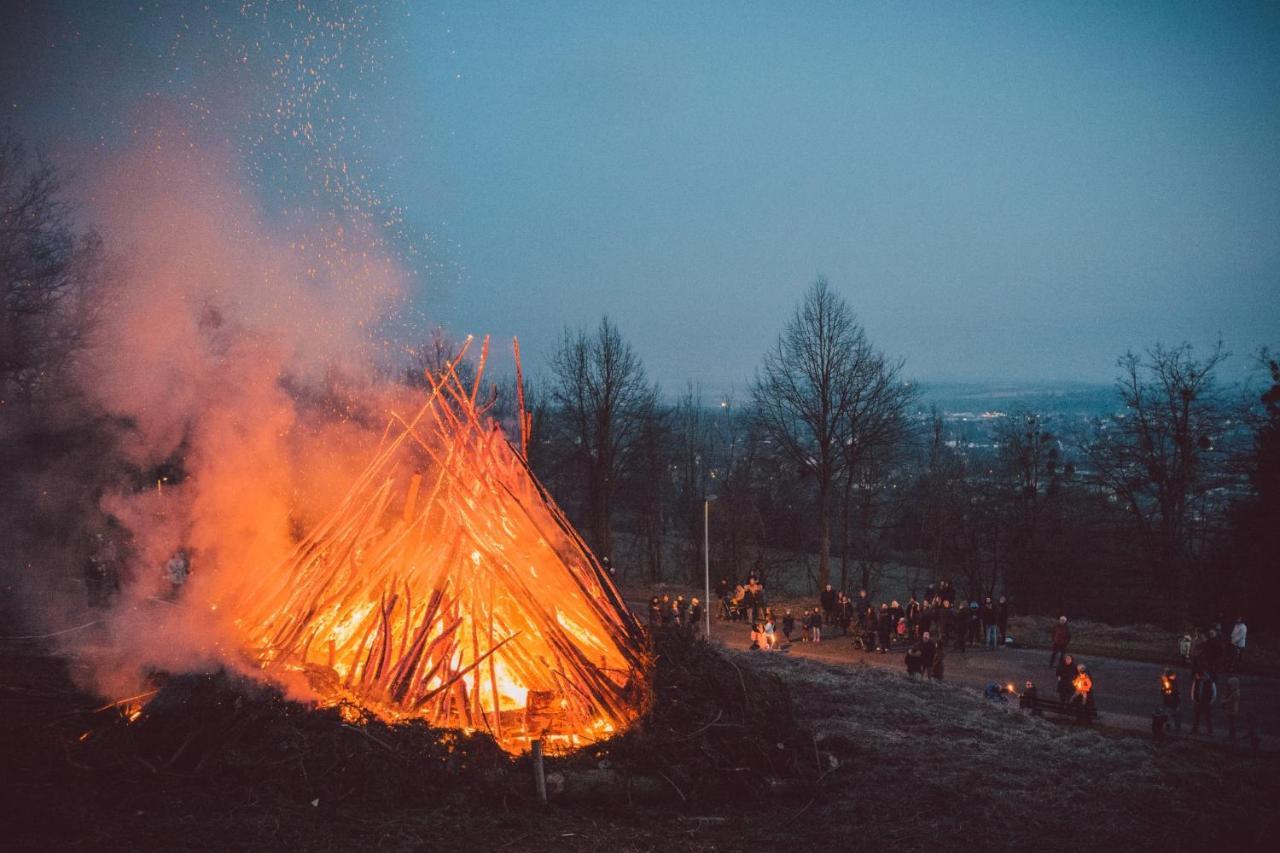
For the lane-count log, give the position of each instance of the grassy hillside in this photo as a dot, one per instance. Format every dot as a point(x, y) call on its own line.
point(896, 764)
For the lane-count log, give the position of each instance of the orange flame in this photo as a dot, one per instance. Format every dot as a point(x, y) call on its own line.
point(448, 586)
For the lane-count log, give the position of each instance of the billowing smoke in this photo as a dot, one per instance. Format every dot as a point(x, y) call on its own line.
point(230, 349)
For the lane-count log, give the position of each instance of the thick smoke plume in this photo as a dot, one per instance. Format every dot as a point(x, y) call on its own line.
point(229, 349)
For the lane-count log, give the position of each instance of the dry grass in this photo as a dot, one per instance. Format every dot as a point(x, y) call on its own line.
point(933, 766)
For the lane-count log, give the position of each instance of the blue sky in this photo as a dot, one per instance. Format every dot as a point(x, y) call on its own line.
point(1001, 191)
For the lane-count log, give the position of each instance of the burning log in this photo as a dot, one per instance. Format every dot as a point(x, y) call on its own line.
point(446, 585)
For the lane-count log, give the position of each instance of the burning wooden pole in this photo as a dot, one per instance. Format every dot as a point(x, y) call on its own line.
point(447, 585)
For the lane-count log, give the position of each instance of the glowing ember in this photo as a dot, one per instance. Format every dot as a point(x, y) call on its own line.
point(447, 585)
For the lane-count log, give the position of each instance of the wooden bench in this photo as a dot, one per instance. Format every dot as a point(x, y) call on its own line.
point(1086, 713)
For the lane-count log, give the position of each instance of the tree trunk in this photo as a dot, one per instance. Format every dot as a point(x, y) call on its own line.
point(824, 530)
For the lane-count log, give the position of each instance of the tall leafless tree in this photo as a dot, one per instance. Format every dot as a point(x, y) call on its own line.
point(47, 274)
point(811, 383)
point(1160, 455)
point(1029, 470)
point(878, 431)
point(604, 404)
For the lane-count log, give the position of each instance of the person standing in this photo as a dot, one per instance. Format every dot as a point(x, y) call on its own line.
point(1171, 697)
point(1203, 694)
point(987, 616)
point(913, 616)
point(723, 593)
point(1060, 640)
point(1066, 673)
point(788, 624)
point(827, 598)
point(770, 638)
point(1215, 653)
point(1231, 706)
point(946, 622)
point(815, 626)
point(1239, 632)
point(884, 629)
point(1002, 619)
point(928, 651)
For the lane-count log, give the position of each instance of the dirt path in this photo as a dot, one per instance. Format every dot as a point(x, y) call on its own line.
point(1127, 692)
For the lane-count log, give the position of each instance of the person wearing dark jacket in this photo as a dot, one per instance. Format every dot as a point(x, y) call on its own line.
point(1214, 653)
point(915, 660)
point(987, 617)
point(1002, 619)
point(1065, 672)
point(946, 621)
point(913, 617)
point(1203, 694)
point(1171, 698)
point(788, 624)
point(1028, 699)
point(1060, 640)
point(827, 598)
point(928, 651)
point(938, 662)
point(884, 628)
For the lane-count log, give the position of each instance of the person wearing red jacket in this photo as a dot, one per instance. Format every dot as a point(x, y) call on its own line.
point(1061, 639)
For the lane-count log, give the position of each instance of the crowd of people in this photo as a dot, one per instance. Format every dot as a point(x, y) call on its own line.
point(931, 625)
point(927, 625)
point(1213, 658)
point(677, 612)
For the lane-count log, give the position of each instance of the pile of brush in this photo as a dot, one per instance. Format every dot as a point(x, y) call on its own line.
point(713, 731)
point(234, 730)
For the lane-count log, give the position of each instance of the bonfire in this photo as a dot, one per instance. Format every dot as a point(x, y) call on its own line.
point(448, 586)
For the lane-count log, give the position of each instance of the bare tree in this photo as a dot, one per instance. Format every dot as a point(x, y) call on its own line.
point(47, 273)
point(1030, 469)
point(878, 429)
point(604, 403)
point(1159, 455)
point(807, 390)
point(429, 361)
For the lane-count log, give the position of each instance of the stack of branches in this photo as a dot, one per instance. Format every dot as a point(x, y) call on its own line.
point(713, 729)
point(447, 585)
point(230, 730)
point(713, 732)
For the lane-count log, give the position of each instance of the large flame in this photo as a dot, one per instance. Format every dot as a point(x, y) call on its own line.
point(447, 585)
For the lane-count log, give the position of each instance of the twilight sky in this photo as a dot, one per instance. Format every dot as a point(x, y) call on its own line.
point(1002, 191)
